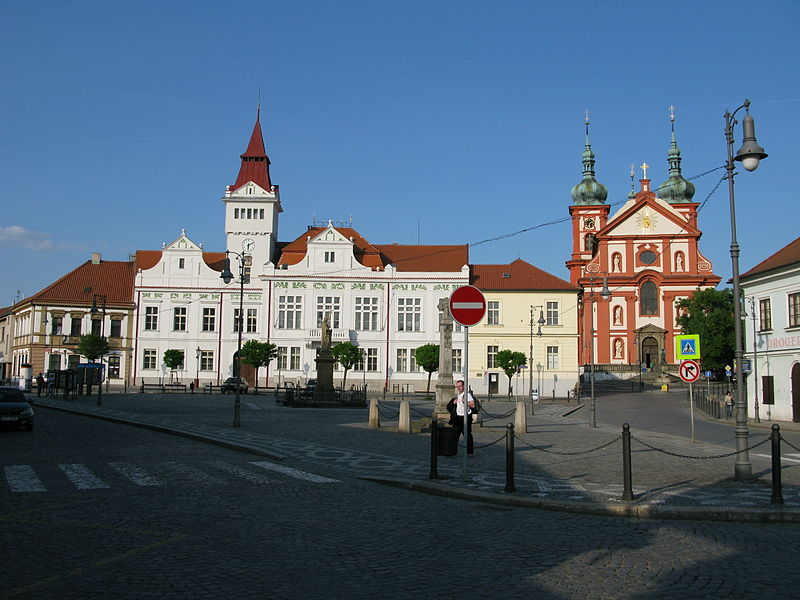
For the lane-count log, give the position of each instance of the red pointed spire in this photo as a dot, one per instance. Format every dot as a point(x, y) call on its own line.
point(255, 162)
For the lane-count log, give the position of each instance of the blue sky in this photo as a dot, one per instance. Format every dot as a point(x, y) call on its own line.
point(438, 122)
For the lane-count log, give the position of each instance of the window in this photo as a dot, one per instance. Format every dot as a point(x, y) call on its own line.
point(55, 325)
point(648, 299)
point(330, 257)
point(252, 320)
point(552, 313)
point(113, 365)
point(260, 213)
point(206, 360)
point(413, 367)
point(151, 318)
point(765, 315)
point(328, 304)
point(249, 213)
point(491, 357)
point(552, 357)
point(179, 319)
point(289, 358)
point(289, 309)
point(366, 314)
point(97, 327)
point(75, 326)
point(73, 360)
point(209, 319)
point(402, 360)
point(409, 314)
point(116, 328)
point(372, 359)
point(248, 267)
point(767, 389)
point(794, 310)
point(648, 257)
point(456, 360)
point(149, 359)
point(493, 312)
point(281, 358)
point(236, 316)
point(181, 263)
point(54, 362)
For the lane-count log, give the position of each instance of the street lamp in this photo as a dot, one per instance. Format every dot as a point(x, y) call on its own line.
point(227, 277)
point(94, 311)
point(197, 354)
point(605, 293)
point(749, 155)
point(540, 322)
point(755, 361)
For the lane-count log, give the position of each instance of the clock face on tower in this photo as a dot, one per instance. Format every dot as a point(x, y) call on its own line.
point(588, 223)
point(248, 245)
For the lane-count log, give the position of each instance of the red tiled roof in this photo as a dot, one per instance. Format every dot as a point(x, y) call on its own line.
point(425, 258)
point(293, 252)
point(788, 255)
point(404, 258)
point(147, 259)
point(110, 278)
point(521, 276)
point(255, 162)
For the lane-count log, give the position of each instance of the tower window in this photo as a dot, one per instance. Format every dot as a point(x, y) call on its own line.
point(260, 213)
point(330, 257)
point(235, 213)
point(181, 263)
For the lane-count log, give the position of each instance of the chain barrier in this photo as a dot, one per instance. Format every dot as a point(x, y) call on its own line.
point(788, 443)
point(502, 437)
point(525, 442)
point(388, 415)
point(726, 455)
point(495, 417)
point(417, 412)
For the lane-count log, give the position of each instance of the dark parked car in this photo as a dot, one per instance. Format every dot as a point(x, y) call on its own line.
point(229, 385)
point(15, 410)
point(311, 384)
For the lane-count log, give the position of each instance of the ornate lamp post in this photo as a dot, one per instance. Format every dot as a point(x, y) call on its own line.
point(749, 155)
point(540, 322)
point(198, 353)
point(94, 311)
point(227, 277)
point(605, 293)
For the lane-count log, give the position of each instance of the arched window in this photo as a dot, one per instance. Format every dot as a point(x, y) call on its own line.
point(588, 243)
point(648, 299)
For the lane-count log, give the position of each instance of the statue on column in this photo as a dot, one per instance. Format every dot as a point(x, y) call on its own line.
point(445, 389)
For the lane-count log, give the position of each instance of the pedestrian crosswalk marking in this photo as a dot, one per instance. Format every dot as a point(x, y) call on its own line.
point(82, 478)
point(294, 472)
point(135, 474)
point(239, 472)
point(22, 478)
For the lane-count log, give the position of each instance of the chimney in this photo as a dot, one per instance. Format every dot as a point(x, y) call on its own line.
point(95, 258)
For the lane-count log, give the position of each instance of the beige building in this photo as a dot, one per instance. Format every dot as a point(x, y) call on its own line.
point(528, 311)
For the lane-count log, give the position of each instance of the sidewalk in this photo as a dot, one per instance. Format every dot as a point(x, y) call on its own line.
point(560, 462)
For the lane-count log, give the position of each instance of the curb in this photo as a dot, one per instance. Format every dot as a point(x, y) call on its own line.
point(630, 511)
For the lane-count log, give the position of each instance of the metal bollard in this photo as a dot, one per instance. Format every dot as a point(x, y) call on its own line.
point(627, 491)
point(434, 474)
point(777, 494)
point(510, 458)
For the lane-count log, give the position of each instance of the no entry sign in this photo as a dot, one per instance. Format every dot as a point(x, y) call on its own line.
point(689, 371)
point(467, 305)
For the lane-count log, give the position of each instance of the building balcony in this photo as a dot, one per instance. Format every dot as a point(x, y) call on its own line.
point(314, 336)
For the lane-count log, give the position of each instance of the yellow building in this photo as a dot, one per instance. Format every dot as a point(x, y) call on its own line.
point(528, 311)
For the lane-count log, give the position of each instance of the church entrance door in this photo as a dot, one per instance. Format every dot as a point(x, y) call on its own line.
point(649, 352)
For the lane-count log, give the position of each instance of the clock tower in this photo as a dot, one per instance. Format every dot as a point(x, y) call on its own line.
point(252, 206)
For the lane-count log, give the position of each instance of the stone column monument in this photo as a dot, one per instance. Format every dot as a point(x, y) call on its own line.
point(324, 391)
point(445, 388)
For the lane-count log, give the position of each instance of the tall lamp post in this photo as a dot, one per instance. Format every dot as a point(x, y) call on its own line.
point(198, 353)
point(540, 322)
point(749, 155)
point(227, 277)
point(605, 293)
point(94, 311)
point(755, 361)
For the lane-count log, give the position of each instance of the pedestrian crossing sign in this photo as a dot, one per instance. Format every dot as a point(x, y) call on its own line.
point(687, 346)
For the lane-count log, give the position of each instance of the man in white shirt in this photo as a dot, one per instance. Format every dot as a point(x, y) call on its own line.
point(456, 409)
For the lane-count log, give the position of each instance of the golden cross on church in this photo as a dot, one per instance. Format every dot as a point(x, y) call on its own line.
point(644, 168)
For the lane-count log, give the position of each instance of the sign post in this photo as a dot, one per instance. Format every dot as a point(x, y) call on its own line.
point(467, 307)
point(690, 372)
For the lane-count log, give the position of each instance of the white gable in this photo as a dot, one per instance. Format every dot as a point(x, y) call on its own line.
point(648, 221)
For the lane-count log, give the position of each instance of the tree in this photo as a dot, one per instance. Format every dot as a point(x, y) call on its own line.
point(427, 357)
point(258, 354)
point(92, 346)
point(173, 359)
point(346, 354)
point(510, 362)
point(709, 313)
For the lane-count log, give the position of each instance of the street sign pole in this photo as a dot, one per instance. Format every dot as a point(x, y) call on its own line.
point(691, 410)
point(466, 397)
